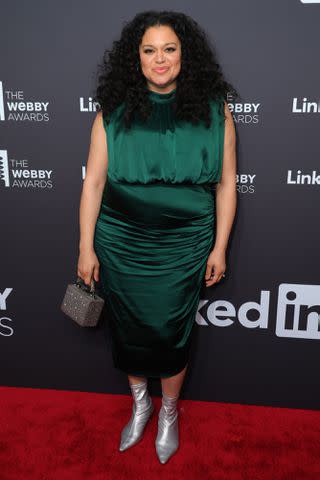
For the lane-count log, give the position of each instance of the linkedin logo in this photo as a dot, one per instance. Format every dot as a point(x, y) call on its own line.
point(297, 312)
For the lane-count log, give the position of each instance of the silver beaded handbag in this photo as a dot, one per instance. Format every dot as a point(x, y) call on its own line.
point(82, 305)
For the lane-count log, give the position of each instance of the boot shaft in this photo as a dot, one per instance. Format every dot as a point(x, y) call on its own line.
point(169, 406)
point(141, 396)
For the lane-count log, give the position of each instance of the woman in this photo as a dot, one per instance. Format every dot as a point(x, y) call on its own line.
point(158, 144)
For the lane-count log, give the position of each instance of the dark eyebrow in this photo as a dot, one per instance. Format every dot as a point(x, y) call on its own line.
point(169, 43)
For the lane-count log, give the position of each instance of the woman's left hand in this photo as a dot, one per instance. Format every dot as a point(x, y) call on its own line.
point(216, 266)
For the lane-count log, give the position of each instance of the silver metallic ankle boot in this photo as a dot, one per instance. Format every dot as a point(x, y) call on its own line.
point(167, 441)
point(142, 410)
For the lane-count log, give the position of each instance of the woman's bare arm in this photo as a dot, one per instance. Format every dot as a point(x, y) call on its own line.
point(226, 200)
point(93, 184)
point(226, 189)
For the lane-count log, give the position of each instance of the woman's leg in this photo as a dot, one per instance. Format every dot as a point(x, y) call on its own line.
point(171, 386)
point(134, 380)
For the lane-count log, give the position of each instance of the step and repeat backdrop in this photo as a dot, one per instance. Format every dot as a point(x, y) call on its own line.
point(257, 338)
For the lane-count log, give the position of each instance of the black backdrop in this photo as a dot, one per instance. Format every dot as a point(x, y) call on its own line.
point(257, 336)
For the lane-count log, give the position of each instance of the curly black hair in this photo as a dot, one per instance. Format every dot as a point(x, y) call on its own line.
point(119, 78)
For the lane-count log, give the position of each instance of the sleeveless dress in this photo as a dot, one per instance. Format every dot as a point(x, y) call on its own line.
point(154, 233)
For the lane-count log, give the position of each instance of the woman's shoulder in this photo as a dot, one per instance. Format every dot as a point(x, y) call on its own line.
point(217, 108)
point(112, 117)
point(216, 102)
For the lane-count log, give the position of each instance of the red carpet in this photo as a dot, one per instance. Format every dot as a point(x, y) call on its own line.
point(59, 435)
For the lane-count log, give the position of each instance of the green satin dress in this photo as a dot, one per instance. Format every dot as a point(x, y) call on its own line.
point(154, 232)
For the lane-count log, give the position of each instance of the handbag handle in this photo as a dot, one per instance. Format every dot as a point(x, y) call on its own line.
point(80, 282)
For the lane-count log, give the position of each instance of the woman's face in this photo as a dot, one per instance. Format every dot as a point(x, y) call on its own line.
point(160, 57)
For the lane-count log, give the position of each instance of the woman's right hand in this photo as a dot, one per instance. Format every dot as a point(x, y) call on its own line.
point(88, 266)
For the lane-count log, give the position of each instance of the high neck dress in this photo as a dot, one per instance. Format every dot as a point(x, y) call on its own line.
point(154, 232)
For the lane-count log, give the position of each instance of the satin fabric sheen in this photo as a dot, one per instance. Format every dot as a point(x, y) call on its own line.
point(154, 232)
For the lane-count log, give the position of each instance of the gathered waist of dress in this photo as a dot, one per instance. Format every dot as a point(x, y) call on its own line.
point(158, 203)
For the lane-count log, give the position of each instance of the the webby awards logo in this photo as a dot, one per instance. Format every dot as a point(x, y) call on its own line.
point(246, 113)
point(246, 182)
point(6, 329)
point(18, 174)
point(15, 107)
point(297, 312)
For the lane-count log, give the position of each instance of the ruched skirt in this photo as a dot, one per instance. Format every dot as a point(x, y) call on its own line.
point(152, 241)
